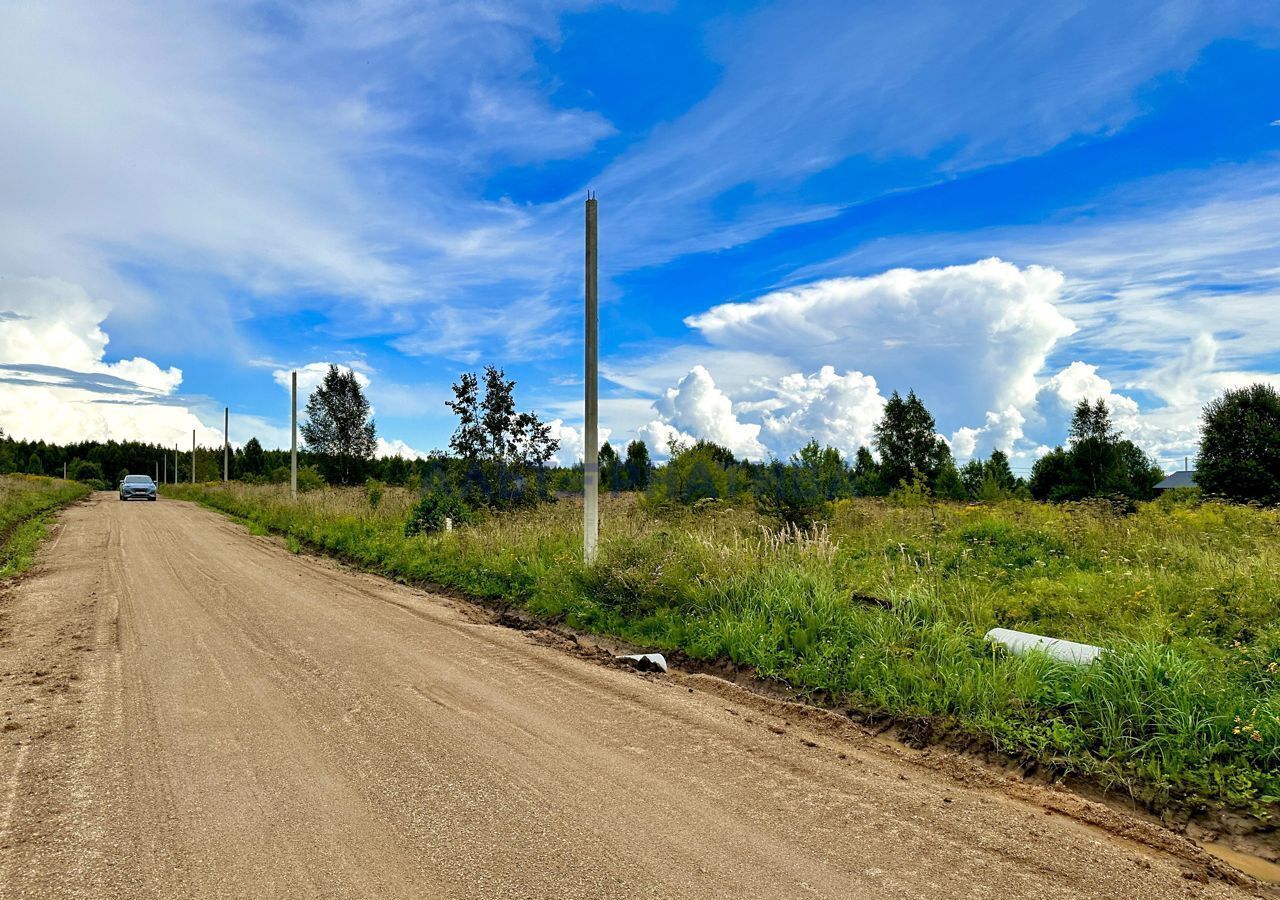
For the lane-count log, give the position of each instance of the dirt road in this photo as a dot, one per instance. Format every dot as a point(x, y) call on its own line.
point(190, 711)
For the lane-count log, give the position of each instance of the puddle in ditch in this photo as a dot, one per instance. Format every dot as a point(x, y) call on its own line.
point(1260, 869)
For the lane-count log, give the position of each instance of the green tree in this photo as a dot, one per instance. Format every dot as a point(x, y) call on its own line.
point(338, 428)
point(997, 468)
point(468, 438)
point(1051, 476)
point(253, 461)
point(1240, 445)
point(826, 467)
point(790, 493)
point(697, 473)
point(971, 475)
point(638, 465)
point(86, 470)
point(947, 484)
point(612, 473)
point(1093, 447)
point(908, 442)
point(1098, 462)
point(498, 421)
point(866, 475)
point(504, 452)
point(34, 464)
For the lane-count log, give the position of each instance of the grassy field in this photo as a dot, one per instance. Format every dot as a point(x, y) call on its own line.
point(25, 504)
point(885, 607)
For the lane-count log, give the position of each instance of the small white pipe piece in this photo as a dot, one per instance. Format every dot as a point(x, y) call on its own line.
point(647, 660)
point(1019, 643)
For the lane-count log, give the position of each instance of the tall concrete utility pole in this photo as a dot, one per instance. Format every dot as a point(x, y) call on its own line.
point(157, 471)
point(226, 444)
point(166, 468)
point(293, 442)
point(193, 456)
point(590, 428)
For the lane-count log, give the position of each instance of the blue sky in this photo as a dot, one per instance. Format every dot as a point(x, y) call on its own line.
point(804, 206)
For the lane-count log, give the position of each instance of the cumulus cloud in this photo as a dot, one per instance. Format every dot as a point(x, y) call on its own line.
point(571, 442)
point(839, 410)
point(695, 406)
point(968, 338)
point(974, 341)
point(53, 323)
point(397, 447)
point(659, 436)
point(56, 383)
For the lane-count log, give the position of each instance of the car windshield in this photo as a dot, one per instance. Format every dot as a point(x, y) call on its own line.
point(137, 479)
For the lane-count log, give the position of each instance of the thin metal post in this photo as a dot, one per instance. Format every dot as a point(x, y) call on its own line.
point(193, 456)
point(226, 444)
point(590, 428)
point(293, 442)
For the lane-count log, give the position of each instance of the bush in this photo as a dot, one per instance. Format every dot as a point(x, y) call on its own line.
point(309, 479)
point(790, 494)
point(436, 506)
point(373, 489)
point(88, 472)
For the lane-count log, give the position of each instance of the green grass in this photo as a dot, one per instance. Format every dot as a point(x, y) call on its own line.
point(26, 503)
point(885, 608)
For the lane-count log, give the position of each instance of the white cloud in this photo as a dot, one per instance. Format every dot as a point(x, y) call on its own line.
point(326, 161)
point(310, 377)
point(51, 322)
point(571, 443)
point(659, 437)
point(696, 406)
point(966, 338)
point(397, 447)
point(839, 410)
point(974, 342)
point(56, 384)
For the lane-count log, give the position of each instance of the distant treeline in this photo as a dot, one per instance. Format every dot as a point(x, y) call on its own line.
point(109, 461)
point(501, 457)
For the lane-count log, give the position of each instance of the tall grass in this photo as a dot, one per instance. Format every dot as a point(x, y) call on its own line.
point(885, 607)
point(25, 502)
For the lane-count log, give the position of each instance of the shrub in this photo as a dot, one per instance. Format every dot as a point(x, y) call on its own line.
point(790, 494)
point(436, 506)
point(309, 479)
point(89, 472)
point(373, 489)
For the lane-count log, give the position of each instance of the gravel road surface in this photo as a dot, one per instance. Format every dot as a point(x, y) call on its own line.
point(190, 711)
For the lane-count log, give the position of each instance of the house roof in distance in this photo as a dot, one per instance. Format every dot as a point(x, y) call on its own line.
point(1178, 480)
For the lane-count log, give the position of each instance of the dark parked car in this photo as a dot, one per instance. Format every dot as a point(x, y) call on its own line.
point(137, 487)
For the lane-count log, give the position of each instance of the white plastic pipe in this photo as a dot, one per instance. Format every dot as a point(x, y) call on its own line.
point(1019, 643)
point(646, 660)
